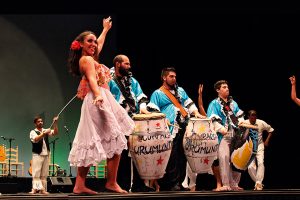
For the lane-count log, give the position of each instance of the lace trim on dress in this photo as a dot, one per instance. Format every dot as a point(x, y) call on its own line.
point(92, 154)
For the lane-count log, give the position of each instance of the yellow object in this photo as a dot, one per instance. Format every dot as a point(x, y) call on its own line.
point(241, 156)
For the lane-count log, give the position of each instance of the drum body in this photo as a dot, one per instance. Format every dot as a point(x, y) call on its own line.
point(244, 146)
point(200, 145)
point(150, 145)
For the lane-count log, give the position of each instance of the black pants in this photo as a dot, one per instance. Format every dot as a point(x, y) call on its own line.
point(176, 167)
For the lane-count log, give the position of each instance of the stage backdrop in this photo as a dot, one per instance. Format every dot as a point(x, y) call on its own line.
point(35, 79)
point(256, 50)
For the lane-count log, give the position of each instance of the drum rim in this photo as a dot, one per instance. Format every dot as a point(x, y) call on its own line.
point(148, 116)
point(200, 119)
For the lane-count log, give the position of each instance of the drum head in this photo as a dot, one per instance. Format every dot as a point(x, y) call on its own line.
point(148, 116)
point(199, 119)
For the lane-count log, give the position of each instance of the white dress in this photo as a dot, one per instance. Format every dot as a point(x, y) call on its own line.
point(101, 130)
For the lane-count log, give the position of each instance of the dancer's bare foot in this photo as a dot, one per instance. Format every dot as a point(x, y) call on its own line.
point(193, 189)
point(33, 191)
point(216, 189)
point(83, 190)
point(44, 192)
point(115, 188)
point(236, 188)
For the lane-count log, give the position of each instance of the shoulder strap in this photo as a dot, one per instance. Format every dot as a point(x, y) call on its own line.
point(231, 114)
point(174, 100)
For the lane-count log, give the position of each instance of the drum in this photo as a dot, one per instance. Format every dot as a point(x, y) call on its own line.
point(150, 145)
point(200, 145)
point(244, 146)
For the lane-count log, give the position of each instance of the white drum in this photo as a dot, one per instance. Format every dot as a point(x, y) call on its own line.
point(150, 145)
point(200, 145)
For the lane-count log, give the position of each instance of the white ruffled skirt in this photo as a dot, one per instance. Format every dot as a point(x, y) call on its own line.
point(101, 131)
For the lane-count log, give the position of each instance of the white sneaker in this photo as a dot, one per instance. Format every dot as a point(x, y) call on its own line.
point(258, 186)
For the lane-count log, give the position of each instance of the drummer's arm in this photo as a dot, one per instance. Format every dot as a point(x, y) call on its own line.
point(266, 142)
point(200, 101)
point(293, 90)
point(220, 128)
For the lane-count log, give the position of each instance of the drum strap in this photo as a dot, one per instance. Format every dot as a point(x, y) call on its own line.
point(174, 100)
point(229, 112)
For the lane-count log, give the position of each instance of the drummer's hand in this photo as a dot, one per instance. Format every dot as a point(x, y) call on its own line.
point(240, 123)
point(200, 89)
point(168, 122)
point(198, 115)
point(223, 131)
point(144, 111)
point(266, 144)
point(293, 80)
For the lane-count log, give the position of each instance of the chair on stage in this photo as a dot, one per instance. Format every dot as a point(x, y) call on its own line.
point(99, 171)
point(16, 167)
point(3, 164)
point(51, 168)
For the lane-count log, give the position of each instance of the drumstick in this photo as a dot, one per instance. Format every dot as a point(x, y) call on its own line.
point(246, 125)
point(64, 109)
point(169, 124)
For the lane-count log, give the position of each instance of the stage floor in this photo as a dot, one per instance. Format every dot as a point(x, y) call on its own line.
point(284, 194)
point(18, 188)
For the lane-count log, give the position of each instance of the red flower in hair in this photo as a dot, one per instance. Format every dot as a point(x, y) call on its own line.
point(75, 45)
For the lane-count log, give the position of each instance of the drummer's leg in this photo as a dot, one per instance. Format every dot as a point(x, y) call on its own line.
point(169, 179)
point(185, 183)
point(193, 177)
point(181, 170)
point(138, 184)
point(217, 175)
point(224, 166)
point(252, 170)
point(176, 167)
point(190, 178)
point(260, 163)
point(235, 180)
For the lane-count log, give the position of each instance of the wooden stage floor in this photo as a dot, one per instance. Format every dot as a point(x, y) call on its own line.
point(18, 188)
point(284, 194)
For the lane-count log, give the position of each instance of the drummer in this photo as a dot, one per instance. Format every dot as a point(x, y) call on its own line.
point(128, 92)
point(226, 116)
point(257, 172)
point(174, 102)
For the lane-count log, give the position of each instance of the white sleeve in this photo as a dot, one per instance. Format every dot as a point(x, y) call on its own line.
point(267, 127)
point(32, 135)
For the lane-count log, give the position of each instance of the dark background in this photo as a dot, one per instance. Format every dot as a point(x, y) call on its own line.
point(255, 49)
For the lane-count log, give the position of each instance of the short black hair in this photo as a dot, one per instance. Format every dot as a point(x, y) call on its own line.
point(252, 112)
point(165, 71)
point(37, 118)
point(218, 84)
